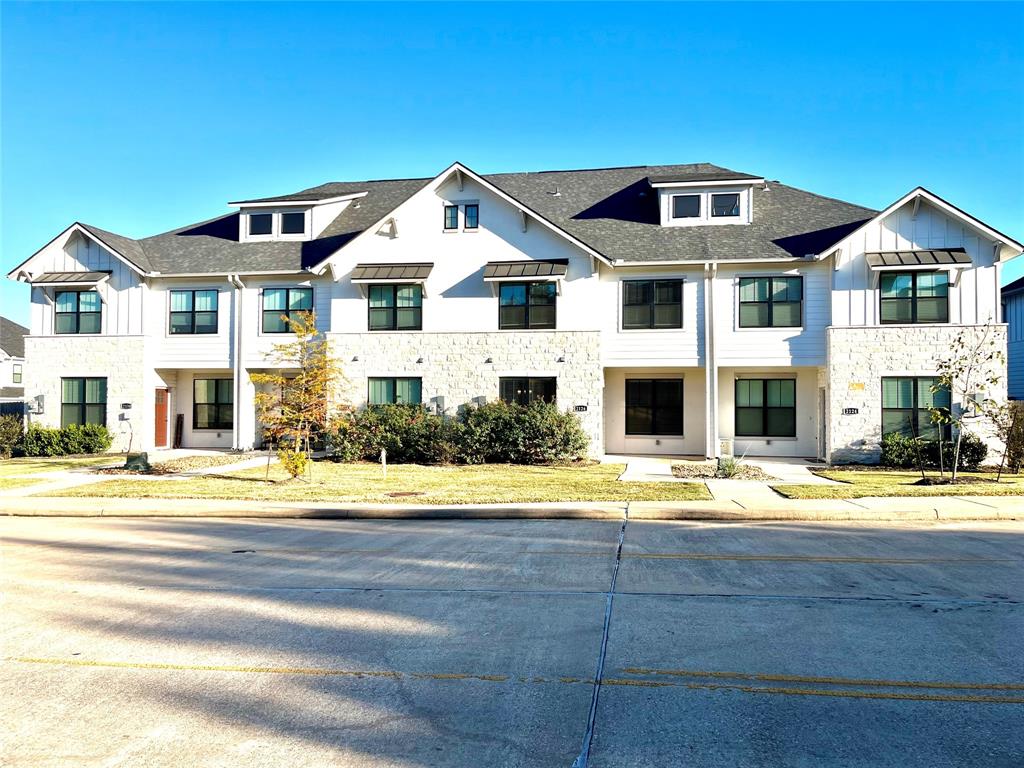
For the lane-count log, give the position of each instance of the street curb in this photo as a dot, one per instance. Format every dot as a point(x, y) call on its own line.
point(826, 511)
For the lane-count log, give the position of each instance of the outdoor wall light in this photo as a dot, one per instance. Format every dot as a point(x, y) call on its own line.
point(561, 359)
point(419, 359)
point(489, 360)
point(355, 358)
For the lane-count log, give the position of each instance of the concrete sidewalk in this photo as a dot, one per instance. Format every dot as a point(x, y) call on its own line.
point(868, 509)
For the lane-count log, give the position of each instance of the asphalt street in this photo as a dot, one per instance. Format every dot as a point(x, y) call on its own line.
point(169, 642)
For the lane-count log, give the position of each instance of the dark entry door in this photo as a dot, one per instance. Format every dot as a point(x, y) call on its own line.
point(161, 418)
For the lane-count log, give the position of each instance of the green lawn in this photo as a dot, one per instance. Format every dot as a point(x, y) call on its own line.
point(491, 483)
point(31, 466)
point(7, 483)
point(882, 482)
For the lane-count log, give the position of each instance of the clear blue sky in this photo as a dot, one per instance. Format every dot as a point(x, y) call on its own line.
point(142, 117)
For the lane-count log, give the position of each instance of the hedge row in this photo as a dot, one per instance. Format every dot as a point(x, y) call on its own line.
point(44, 441)
point(497, 432)
point(903, 452)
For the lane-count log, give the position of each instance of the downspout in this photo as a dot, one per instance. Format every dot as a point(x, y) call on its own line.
point(710, 364)
point(236, 282)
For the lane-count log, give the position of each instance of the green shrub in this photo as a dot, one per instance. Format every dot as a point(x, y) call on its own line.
point(72, 439)
point(900, 451)
point(294, 462)
point(495, 433)
point(10, 435)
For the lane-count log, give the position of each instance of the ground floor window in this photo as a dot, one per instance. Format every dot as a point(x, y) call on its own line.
point(906, 406)
point(392, 390)
point(766, 408)
point(525, 390)
point(654, 406)
point(83, 401)
point(213, 404)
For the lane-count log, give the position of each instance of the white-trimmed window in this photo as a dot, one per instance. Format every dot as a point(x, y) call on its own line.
point(16, 374)
point(275, 224)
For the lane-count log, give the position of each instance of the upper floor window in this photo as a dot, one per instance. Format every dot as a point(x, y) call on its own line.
point(654, 406)
point(451, 217)
point(83, 401)
point(396, 307)
point(193, 312)
point(281, 306)
point(766, 408)
point(914, 297)
point(213, 404)
point(727, 204)
point(261, 223)
point(395, 390)
point(472, 214)
point(293, 223)
point(685, 206)
point(78, 312)
point(652, 304)
point(526, 305)
point(771, 302)
point(526, 389)
point(906, 406)
point(16, 374)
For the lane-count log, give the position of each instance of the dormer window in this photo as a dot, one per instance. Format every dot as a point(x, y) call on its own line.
point(261, 223)
point(725, 205)
point(685, 206)
point(293, 223)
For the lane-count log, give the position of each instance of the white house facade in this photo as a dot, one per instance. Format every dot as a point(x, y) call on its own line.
point(687, 310)
point(12, 366)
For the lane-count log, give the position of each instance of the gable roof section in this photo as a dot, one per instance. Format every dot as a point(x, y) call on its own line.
point(124, 248)
point(12, 337)
point(1012, 289)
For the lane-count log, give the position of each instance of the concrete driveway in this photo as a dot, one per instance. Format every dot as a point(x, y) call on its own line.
point(160, 642)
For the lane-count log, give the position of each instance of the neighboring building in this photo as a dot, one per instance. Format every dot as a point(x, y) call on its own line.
point(1013, 312)
point(681, 309)
point(12, 366)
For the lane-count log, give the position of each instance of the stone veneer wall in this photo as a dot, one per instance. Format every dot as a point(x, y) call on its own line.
point(858, 358)
point(454, 366)
point(117, 358)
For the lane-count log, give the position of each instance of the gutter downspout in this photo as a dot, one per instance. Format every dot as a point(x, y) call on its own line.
point(711, 447)
point(236, 282)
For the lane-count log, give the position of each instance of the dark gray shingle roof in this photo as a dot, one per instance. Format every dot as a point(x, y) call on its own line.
point(613, 210)
point(1015, 287)
point(12, 337)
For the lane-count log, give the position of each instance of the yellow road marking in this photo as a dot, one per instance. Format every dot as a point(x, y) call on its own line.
point(811, 558)
point(849, 681)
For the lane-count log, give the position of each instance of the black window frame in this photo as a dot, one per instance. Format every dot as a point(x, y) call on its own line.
point(83, 405)
point(945, 430)
point(252, 218)
point(738, 206)
point(764, 408)
point(529, 324)
point(77, 313)
point(394, 388)
point(301, 217)
point(913, 298)
point(392, 308)
point(193, 312)
point(770, 302)
point(700, 204)
point(512, 385)
point(217, 425)
point(287, 303)
point(653, 304)
point(662, 424)
point(476, 216)
point(448, 209)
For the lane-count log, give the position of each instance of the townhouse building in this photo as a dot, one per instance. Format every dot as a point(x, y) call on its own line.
point(1013, 313)
point(12, 366)
point(686, 309)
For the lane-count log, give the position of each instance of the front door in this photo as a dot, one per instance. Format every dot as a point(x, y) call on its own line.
point(161, 419)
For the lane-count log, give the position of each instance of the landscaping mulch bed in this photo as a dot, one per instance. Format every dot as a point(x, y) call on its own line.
point(705, 471)
point(176, 466)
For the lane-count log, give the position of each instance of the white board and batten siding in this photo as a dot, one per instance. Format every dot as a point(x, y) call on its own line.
point(203, 350)
point(973, 298)
point(257, 346)
point(803, 346)
point(124, 293)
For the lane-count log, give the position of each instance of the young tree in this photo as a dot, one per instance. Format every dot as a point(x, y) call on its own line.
point(297, 398)
point(969, 372)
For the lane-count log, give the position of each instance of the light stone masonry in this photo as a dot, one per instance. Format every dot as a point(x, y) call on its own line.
point(455, 367)
point(858, 360)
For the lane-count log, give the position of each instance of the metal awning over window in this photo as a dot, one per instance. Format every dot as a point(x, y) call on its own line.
point(394, 273)
point(70, 279)
point(922, 259)
point(553, 269)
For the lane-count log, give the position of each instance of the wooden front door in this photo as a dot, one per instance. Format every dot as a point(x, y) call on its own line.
point(161, 418)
